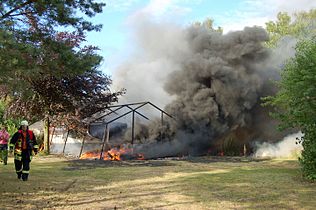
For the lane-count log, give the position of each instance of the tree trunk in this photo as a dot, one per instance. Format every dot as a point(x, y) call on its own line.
point(46, 135)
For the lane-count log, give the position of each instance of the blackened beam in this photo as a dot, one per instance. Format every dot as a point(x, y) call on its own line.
point(65, 141)
point(160, 109)
point(105, 136)
point(137, 112)
point(145, 103)
point(130, 104)
point(119, 117)
point(133, 127)
point(111, 111)
point(122, 106)
point(82, 144)
point(125, 105)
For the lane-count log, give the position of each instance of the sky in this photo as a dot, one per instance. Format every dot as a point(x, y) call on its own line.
point(115, 40)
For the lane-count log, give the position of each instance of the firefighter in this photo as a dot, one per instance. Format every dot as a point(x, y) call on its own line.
point(4, 138)
point(24, 143)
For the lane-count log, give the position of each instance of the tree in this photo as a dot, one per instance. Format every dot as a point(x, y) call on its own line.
point(208, 24)
point(30, 43)
point(295, 103)
point(48, 14)
point(302, 25)
point(47, 72)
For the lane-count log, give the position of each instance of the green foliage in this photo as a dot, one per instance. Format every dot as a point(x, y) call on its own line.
point(2, 109)
point(295, 103)
point(31, 45)
point(308, 158)
point(11, 124)
point(208, 24)
point(303, 25)
point(46, 71)
point(50, 13)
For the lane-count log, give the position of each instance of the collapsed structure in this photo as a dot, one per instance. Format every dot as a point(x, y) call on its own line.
point(216, 87)
point(215, 83)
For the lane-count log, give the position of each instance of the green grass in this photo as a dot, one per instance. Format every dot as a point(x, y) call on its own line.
point(195, 183)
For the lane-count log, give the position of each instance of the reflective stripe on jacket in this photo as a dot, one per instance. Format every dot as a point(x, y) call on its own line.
point(17, 142)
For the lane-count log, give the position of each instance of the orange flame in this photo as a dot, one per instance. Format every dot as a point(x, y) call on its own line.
point(112, 154)
point(90, 155)
point(140, 156)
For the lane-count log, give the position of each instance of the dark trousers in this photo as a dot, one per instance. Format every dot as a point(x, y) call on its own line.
point(22, 167)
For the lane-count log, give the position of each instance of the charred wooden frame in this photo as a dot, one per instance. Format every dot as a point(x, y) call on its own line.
point(114, 109)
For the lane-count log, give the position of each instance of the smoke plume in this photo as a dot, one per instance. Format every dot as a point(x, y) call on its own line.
point(218, 88)
point(288, 147)
point(210, 82)
point(159, 50)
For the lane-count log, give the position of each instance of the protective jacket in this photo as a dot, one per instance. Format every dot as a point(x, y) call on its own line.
point(24, 142)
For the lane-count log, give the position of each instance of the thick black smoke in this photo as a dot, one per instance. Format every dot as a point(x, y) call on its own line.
point(220, 84)
point(217, 84)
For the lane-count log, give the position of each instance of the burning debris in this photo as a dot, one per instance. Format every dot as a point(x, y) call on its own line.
point(116, 153)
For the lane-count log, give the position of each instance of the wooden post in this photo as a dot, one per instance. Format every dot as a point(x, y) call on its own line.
point(46, 135)
point(161, 131)
point(65, 141)
point(105, 139)
point(107, 136)
point(133, 127)
point(52, 135)
point(83, 140)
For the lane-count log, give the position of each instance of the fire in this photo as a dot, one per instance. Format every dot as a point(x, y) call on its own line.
point(90, 155)
point(140, 156)
point(113, 154)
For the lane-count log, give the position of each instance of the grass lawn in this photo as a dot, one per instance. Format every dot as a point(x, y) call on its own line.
point(191, 183)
